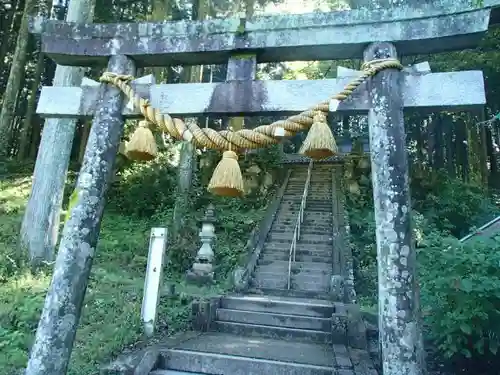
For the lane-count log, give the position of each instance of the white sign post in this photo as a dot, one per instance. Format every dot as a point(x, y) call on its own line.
point(153, 281)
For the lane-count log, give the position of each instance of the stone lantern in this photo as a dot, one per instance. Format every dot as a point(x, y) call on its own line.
point(203, 269)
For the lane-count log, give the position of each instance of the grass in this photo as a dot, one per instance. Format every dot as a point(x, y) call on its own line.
point(110, 319)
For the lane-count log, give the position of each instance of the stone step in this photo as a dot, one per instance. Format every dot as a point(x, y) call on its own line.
point(310, 223)
point(303, 281)
point(315, 205)
point(295, 194)
point(304, 229)
point(289, 221)
point(273, 319)
point(273, 332)
point(315, 286)
point(299, 257)
point(280, 305)
point(293, 212)
point(297, 282)
point(325, 251)
point(283, 292)
point(270, 282)
point(304, 239)
point(297, 267)
point(308, 220)
point(312, 198)
point(299, 186)
point(325, 214)
point(296, 191)
point(223, 354)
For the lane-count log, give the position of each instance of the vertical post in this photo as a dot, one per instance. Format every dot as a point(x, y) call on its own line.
point(40, 226)
point(56, 331)
point(152, 282)
point(241, 68)
point(398, 297)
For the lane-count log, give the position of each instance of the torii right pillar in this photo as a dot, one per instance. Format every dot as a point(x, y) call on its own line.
point(400, 334)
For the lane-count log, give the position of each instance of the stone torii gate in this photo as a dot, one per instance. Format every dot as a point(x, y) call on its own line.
point(319, 36)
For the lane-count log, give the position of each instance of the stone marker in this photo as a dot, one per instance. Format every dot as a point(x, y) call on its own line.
point(153, 279)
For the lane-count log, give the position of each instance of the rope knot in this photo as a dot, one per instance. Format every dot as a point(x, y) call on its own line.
point(110, 77)
point(378, 65)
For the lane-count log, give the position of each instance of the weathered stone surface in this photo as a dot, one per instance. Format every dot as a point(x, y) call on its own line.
point(427, 28)
point(139, 362)
point(429, 92)
point(85, 99)
point(398, 296)
point(61, 312)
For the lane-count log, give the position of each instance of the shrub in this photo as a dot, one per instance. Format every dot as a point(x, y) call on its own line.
point(460, 291)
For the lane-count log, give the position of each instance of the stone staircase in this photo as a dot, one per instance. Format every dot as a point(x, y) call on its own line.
point(312, 269)
point(273, 330)
point(258, 335)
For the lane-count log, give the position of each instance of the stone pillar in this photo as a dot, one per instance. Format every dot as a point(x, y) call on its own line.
point(398, 297)
point(56, 331)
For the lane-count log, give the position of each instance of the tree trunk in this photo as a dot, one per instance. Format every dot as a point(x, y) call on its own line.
point(450, 148)
point(14, 82)
point(493, 176)
point(186, 161)
point(7, 24)
point(25, 134)
point(162, 10)
point(438, 143)
point(187, 151)
point(40, 227)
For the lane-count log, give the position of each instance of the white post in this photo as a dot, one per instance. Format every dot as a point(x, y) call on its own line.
point(152, 283)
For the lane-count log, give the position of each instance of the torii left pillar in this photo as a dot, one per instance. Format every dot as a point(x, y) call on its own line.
point(56, 331)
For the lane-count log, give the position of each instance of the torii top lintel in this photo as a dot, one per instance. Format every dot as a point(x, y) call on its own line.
point(420, 29)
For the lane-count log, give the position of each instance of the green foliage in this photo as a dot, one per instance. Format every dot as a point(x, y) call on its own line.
point(141, 188)
point(462, 305)
point(459, 283)
point(451, 205)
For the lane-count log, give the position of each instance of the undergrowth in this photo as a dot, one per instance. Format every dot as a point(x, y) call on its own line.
point(459, 282)
point(141, 197)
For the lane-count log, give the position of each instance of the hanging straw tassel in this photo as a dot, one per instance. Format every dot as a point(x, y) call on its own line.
point(319, 143)
point(142, 144)
point(227, 180)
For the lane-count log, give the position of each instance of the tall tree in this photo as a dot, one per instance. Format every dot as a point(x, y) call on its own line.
point(14, 82)
point(26, 129)
point(5, 27)
point(187, 159)
point(40, 227)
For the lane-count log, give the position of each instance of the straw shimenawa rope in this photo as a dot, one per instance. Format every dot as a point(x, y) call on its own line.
point(258, 137)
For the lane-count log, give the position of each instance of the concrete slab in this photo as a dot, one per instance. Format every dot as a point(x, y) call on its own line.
point(219, 364)
point(283, 333)
point(279, 320)
point(261, 348)
point(283, 305)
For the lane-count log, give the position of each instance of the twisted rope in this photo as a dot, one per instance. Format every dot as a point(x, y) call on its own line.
point(258, 137)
